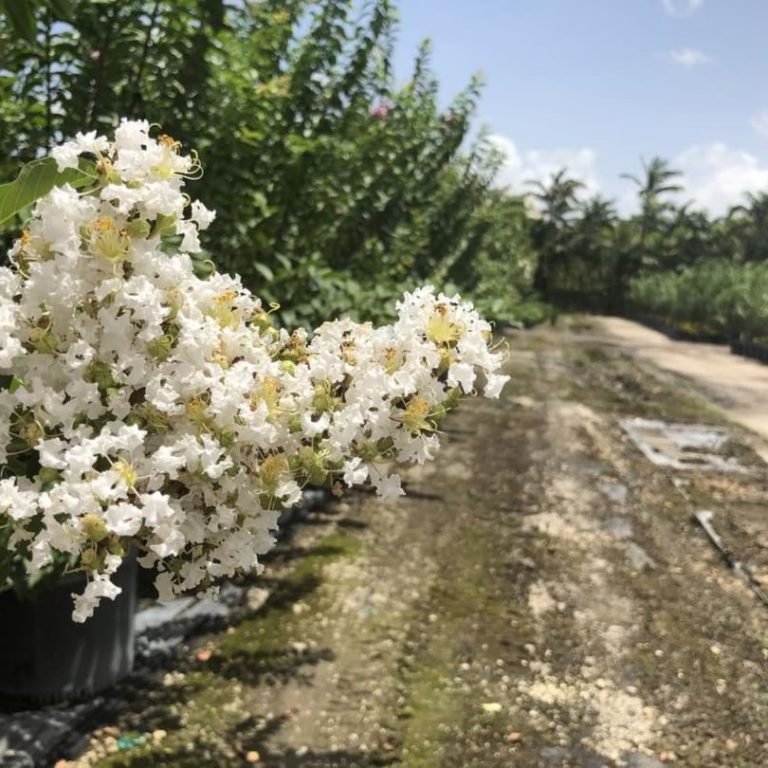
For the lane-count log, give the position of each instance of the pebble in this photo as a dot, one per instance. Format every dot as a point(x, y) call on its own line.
point(173, 678)
point(731, 745)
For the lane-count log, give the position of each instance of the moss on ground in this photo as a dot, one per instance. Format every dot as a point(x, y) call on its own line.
point(605, 378)
point(458, 655)
point(205, 712)
point(469, 626)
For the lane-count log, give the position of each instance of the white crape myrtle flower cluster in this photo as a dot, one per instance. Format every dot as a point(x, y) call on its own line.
point(147, 408)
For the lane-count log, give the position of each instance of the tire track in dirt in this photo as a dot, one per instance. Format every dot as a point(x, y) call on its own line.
point(539, 600)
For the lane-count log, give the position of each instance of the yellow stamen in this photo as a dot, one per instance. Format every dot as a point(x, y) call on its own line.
point(415, 416)
point(169, 141)
point(126, 471)
point(441, 329)
point(273, 469)
point(223, 312)
point(107, 241)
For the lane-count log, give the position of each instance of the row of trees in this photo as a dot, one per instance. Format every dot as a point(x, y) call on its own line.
point(669, 260)
point(334, 186)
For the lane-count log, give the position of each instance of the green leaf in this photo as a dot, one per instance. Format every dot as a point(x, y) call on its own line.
point(35, 180)
point(10, 382)
point(61, 8)
point(21, 14)
point(203, 268)
point(264, 271)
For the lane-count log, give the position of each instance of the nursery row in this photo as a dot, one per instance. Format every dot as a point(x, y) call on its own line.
point(668, 263)
point(718, 299)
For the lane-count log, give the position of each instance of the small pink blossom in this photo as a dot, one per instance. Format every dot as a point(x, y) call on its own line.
point(380, 111)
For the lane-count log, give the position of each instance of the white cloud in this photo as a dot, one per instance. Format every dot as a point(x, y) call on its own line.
point(688, 57)
point(682, 7)
point(541, 164)
point(715, 176)
point(760, 123)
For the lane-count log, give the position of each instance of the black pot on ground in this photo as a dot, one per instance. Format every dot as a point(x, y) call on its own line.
point(45, 657)
point(750, 349)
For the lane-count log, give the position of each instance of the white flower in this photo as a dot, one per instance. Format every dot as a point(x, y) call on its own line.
point(17, 504)
point(387, 486)
point(131, 134)
point(121, 197)
point(162, 415)
point(66, 156)
point(99, 587)
point(463, 375)
point(91, 143)
point(201, 215)
point(124, 519)
point(494, 383)
point(355, 472)
point(160, 197)
point(166, 462)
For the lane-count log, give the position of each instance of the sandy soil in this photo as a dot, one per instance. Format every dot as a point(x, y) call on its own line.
point(737, 384)
point(540, 599)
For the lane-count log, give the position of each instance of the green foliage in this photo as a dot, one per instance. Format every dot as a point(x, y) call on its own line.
point(35, 180)
point(21, 15)
point(718, 297)
point(669, 262)
point(334, 188)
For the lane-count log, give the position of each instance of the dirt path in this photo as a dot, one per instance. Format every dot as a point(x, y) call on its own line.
point(540, 599)
point(738, 385)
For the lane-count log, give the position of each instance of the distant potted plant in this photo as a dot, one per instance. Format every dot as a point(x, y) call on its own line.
point(150, 409)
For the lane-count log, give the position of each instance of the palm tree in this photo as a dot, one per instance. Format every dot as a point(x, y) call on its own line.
point(558, 198)
point(594, 248)
point(657, 181)
point(750, 223)
point(690, 239)
point(552, 234)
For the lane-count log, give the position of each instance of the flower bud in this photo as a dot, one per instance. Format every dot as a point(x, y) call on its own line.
point(94, 527)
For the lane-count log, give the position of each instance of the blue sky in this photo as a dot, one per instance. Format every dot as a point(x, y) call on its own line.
point(598, 84)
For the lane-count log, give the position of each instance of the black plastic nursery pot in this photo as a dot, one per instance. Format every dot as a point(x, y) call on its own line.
point(676, 333)
point(750, 349)
point(46, 657)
